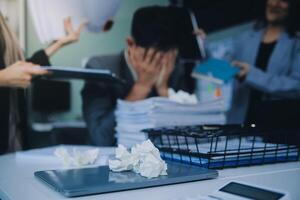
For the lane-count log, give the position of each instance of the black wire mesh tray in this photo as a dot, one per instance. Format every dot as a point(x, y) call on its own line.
point(223, 146)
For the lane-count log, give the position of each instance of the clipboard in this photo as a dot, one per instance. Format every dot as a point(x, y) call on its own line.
point(95, 75)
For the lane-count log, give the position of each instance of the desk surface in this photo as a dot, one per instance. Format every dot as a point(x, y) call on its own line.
point(17, 181)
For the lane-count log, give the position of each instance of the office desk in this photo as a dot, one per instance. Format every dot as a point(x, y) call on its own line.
point(17, 181)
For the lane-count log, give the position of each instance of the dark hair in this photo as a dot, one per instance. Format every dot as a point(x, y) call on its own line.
point(291, 23)
point(155, 27)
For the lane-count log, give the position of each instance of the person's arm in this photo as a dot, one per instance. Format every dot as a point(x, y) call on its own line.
point(138, 92)
point(147, 64)
point(40, 58)
point(98, 112)
point(70, 37)
point(19, 75)
point(282, 85)
point(203, 36)
point(168, 62)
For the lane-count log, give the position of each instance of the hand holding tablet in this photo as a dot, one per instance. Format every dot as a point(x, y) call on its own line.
point(99, 75)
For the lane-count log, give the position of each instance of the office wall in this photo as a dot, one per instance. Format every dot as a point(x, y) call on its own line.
point(90, 44)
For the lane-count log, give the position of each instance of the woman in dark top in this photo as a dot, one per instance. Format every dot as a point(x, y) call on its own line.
point(280, 18)
point(15, 77)
point(262, 60)
point(268, 56)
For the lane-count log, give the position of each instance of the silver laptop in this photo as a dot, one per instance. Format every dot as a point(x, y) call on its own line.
point(87, 181)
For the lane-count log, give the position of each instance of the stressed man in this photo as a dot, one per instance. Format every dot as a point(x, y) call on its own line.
point(148, 65)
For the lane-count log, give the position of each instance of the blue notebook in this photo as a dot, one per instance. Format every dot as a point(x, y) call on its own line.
point(215, 70)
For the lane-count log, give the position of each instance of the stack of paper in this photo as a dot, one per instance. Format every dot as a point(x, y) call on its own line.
point(48, 15)
point(132, 117)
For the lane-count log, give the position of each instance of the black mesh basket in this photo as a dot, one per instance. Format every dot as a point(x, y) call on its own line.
point(226, 146)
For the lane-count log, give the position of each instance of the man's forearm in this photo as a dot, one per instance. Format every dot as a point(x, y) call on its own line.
point(138, 92)
point(162, 91)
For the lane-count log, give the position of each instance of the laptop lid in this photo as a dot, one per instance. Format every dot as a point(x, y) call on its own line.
point(87, 181)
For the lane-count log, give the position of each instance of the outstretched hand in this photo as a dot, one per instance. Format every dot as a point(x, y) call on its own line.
point(72, 35)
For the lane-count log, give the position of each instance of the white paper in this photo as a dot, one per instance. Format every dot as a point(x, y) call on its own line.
point(48, 15)
point(76, 157)
point(99, 11)
point(132, 117)
point(124, 160)
point(45, 156)
point(182, 97)
point(143, 159)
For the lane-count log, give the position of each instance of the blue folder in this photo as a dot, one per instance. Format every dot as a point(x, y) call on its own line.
point(215, 70)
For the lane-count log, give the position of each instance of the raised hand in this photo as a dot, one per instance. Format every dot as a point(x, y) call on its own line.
point(70, 37)
point(71, 34)
point(148, 65)
point(168, 63)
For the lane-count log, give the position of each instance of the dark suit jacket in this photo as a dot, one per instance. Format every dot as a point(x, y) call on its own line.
point(39, 58)
point(99, 99)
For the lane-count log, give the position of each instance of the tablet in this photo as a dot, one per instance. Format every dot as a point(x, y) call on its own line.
point(99, 75)
point(87, 181)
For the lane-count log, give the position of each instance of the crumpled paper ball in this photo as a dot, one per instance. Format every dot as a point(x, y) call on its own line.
point(182, 97)
point(124, 162)
point(143, 159)
point(76, 158)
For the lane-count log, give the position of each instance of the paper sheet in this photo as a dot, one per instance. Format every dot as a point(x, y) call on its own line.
point(143, 159)
point(48, 15)
point(132, 117)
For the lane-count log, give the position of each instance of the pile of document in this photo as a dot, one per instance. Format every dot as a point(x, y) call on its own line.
point(132, 117)
point(48, 15)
